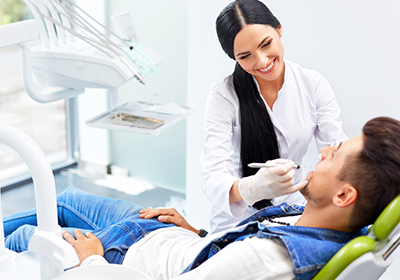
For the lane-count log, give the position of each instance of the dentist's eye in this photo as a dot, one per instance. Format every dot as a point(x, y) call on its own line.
point(267, 44)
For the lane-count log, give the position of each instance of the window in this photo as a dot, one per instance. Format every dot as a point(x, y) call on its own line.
point(47, 124)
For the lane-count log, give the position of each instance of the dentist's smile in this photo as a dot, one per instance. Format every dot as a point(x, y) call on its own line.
point(267, 69)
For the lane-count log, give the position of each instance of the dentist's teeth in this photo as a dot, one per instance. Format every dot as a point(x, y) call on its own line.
point(268, 68)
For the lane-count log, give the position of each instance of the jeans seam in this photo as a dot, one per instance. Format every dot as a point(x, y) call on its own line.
point(78, 214)
point(127, 231)
point(16, 218)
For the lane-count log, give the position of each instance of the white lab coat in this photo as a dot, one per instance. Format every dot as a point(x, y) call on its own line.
point(306, 107)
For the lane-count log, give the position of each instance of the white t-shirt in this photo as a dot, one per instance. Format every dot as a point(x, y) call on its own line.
point(165, 253)
point(306, 107)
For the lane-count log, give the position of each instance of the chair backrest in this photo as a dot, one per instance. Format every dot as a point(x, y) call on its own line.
point(367, 257)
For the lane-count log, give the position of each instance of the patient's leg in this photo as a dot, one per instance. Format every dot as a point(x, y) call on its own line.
point(115, 222)
point(78, 209)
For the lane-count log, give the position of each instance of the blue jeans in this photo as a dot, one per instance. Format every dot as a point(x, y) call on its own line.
point(115, 222)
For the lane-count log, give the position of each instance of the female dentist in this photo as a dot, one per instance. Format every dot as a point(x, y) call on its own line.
point(269, 108)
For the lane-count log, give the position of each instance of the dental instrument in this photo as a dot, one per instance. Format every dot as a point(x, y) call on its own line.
point(268, 164)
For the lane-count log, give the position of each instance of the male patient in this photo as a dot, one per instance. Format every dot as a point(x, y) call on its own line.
point(349, 188)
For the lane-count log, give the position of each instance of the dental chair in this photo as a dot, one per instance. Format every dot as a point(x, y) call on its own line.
point(365, 257)
point(368, 257)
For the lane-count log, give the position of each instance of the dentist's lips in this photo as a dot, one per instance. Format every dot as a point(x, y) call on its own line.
point(269, 68)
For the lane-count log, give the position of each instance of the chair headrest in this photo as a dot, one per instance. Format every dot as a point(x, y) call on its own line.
point(387, 220)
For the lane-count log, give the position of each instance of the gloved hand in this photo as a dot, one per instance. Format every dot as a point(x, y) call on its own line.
point(270, 182)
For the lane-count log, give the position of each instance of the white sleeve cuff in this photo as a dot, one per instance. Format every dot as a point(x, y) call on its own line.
point(238, 209)
point(94, 260)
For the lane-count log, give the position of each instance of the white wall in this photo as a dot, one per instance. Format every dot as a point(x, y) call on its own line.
point(161, 160)
point(207, 63)
point(94, 143)
point(354, 44)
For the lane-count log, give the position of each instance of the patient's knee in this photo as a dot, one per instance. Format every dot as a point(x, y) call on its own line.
point(18, 240)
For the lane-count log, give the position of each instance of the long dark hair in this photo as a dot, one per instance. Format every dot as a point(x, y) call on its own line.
point(258, 140)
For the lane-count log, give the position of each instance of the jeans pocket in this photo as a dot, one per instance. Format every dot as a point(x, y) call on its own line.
point(115, 255)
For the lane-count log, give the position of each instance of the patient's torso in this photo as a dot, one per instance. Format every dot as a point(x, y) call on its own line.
point(171, 250)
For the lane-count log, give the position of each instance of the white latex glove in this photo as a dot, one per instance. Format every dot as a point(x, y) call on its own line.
point(270, 182)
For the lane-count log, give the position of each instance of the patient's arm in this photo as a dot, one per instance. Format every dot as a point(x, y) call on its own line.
point(167, 216)
point(85, 246)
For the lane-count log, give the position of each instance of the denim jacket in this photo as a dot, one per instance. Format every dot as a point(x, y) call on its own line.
point(309, 248)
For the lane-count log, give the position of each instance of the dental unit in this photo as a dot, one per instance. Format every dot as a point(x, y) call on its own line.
point(74, 53)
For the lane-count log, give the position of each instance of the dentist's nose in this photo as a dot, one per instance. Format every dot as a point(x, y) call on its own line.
point(262, 60)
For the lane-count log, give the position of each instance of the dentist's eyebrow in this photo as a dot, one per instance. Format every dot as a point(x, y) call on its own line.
point(263, 41)
point(242, 54)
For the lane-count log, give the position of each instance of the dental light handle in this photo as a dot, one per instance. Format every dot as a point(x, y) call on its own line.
point(31, 89)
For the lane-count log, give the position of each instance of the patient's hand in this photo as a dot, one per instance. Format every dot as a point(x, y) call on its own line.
point(85, 246)
point(167, 216)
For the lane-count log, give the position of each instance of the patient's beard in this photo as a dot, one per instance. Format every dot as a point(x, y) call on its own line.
point(309, 196)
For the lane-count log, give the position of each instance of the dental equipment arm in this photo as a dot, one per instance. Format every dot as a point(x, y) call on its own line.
point(55, 253)
point(18, 33)
point(91, 61)
point(27, 81)
point(23, 34)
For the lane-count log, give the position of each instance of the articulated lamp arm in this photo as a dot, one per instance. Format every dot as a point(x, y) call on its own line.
point(23, 34)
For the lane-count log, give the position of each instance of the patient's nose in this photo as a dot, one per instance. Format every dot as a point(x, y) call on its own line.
point(327, 152)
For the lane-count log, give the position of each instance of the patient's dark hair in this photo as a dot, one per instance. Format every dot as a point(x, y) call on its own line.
point(258, 138)
point(375, 171)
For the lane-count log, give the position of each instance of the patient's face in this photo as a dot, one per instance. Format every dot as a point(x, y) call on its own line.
point(323, 182)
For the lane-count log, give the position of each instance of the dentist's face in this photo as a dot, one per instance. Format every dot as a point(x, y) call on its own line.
point(259, 51)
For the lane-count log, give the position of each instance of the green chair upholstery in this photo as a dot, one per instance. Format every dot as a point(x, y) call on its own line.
point(362, 251)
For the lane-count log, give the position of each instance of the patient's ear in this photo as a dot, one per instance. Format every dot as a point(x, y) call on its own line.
point(345, 196)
